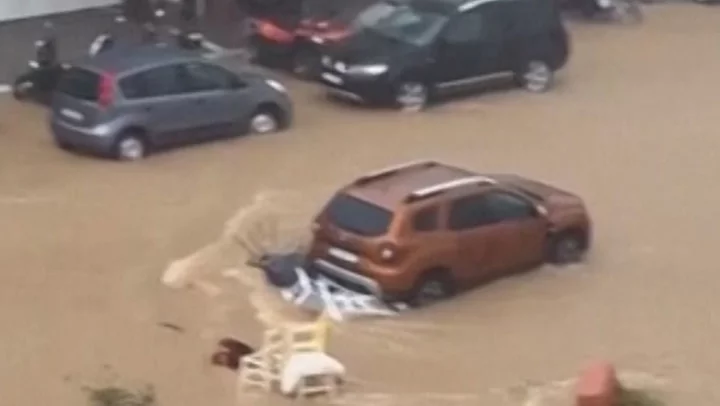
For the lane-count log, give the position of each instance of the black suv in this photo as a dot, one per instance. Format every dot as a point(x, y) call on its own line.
point(405, 52)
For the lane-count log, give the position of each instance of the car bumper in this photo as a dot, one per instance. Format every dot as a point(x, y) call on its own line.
point(358, 88)
point(387, 285)
point(94, 139)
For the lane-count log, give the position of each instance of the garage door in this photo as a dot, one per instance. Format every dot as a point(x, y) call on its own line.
point(14, 9)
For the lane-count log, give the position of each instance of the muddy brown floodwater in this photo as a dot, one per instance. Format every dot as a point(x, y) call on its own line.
point(632, 127)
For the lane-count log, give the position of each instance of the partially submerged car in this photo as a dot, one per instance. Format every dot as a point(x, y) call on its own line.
point(407, 53)
point(127, 103)
point(421, 231)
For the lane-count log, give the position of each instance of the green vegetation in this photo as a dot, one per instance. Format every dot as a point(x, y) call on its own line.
point(116, 396)
point(637, 397)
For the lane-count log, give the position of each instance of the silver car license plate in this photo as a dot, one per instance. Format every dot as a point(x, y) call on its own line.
point(336, 80)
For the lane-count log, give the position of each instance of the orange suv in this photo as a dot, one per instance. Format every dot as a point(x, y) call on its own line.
point(421, 231)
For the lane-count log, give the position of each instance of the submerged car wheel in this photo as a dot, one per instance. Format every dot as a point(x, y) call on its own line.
point(411, 96)
point(627, 11)
point(130, 147)
point(305, 64)
point(433, 287)
point(21, 89)
point(566, 248)
point(264, 121)
point(536, 77)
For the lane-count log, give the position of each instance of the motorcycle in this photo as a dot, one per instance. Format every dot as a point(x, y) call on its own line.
point(293, 44)
point(106, 40)
point(186, 37)
point(191, 40)
point(625, 11)
point(40, 80)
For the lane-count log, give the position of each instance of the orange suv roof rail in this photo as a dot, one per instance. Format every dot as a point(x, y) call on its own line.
point(444, 186)
point(390, 170)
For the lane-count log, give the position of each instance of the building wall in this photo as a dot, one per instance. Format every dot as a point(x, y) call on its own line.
point(15, 9)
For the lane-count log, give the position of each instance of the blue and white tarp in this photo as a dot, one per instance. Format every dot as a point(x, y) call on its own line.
point(321, 294)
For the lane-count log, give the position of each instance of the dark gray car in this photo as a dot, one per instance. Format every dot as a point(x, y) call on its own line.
point(128, 102)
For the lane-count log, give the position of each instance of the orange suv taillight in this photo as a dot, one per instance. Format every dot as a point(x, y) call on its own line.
point(388, 252)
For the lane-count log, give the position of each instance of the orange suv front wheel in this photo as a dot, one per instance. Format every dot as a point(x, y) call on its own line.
point(431, 287)
point(567, 247)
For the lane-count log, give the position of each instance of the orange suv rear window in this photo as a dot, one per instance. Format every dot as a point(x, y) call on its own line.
point(358, 216)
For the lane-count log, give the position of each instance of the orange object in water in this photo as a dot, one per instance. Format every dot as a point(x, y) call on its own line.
point(597, 386)
point(230, 352)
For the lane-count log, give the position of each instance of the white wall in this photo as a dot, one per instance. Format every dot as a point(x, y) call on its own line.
point(14, 9)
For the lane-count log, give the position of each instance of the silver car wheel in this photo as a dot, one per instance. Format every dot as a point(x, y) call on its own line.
point(20, 90)
point(411, 96)
point(131, 149)
point(263, 123)
point(538, 77)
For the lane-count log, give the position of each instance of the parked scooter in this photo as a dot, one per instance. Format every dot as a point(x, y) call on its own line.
point(187, 37)
point(107, 39)
point(40, 80)
point(625, 11)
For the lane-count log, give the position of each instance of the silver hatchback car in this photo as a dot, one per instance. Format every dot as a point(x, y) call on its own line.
point(129, 102)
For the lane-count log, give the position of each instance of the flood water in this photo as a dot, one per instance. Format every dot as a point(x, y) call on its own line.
point(632, 127)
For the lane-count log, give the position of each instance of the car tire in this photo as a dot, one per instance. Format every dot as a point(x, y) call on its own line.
point(566, 248)
point(130, 146)
point(21, 89)
point(63, 145)
point(432, 287)
point(536, 76)
point(627, 11)
point(305, 64)
point(411, 96)
point(265, 120)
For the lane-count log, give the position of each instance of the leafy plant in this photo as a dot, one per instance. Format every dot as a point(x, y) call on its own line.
point(117, 396)
point(637, 397)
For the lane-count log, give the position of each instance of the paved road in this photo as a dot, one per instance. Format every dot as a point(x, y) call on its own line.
point(75, 31)
point(632, 127)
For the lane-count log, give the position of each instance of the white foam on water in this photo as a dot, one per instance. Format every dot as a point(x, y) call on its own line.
point(272, 222)
point(24, 200)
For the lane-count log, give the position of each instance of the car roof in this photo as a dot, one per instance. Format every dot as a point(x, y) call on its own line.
point(124, 59)
point(390, 187)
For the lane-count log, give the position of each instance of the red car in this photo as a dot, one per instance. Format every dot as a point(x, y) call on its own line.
point(290, 42)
